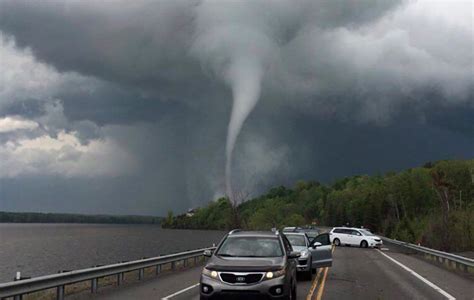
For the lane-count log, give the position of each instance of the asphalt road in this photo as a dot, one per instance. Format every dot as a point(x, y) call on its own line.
point(356, 274)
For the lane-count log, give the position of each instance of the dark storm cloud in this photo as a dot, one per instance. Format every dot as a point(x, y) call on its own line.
point(143, 44)
point(346, 88)
point(321, 150)
point(147, 42)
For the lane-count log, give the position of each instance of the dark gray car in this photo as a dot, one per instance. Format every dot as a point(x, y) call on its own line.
point(249, 264)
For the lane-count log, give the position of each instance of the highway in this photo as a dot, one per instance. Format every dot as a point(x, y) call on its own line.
point(356, 274)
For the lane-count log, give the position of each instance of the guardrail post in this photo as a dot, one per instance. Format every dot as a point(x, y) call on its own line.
point(185, 263)
point(158, 269)
point(195, 260)
point(119, 278)
point(173, 265)
point(18, 297)
point(60, 292)
point(140, 274)
point(94, 285)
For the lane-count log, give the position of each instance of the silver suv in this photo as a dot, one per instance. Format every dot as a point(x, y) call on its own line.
point(315, 254)
point(249, 264)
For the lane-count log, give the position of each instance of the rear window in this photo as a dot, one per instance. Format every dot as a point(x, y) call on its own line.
point(312, 234)
point(296, 240)
point(250, 247)
point(339, 230)
point(365, 232)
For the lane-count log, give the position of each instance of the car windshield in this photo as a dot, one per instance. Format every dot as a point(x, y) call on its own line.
point(365, 232)
point(250, 247)
point(296, 240)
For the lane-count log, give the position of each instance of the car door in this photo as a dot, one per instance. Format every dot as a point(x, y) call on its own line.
point(313, 251)
point(356, 237)
point(291, 271)
point(344, 236)
point(322, 254)
point(349, 237)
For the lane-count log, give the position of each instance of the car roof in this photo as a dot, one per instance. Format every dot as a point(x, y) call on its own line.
point(295, 233)
point(351, 228)
point(253, 233)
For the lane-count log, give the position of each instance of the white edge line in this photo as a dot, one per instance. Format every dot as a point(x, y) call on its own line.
point(180, 292)
point(435, 287)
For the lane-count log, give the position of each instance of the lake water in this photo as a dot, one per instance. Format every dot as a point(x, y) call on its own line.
point(41, 249)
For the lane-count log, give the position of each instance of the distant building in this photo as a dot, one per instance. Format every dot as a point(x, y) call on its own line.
point(191, 212)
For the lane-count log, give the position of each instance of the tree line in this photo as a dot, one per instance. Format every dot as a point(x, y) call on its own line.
point(31, 217)
point(432, 205)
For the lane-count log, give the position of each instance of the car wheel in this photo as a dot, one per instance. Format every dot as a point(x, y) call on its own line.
point(364, 244)
point(308, 275)
point(337, 242)
point(293, 293)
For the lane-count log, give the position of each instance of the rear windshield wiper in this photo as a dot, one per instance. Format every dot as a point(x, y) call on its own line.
point(225, 255)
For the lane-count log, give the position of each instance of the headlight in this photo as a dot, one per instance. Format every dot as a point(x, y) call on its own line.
point(209, 273)
point(275, 274)
point(304, 254)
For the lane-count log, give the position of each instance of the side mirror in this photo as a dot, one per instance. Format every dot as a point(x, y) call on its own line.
point(316, 244)
point(294, 254)
point(207, 253)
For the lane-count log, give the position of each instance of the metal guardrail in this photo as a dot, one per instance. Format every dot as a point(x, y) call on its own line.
point(19, 288)
point(450, 260)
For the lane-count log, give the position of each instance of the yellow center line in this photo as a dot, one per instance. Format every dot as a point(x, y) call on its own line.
point(313, 286)
point(321, 288)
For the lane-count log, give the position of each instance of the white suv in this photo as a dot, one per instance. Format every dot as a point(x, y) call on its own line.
point(354, 236)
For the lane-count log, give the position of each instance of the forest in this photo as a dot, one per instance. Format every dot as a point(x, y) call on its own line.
point(34, 217)
point(432, 205)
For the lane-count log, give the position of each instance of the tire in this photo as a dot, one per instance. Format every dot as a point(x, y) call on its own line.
point(337, 242)
point(364, 244)
point(293, 293)
point(308, 275)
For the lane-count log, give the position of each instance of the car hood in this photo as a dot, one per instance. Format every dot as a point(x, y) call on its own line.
point(299, 248)
point(245, 264)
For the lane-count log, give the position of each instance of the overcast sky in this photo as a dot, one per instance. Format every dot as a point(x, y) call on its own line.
point(123, 106)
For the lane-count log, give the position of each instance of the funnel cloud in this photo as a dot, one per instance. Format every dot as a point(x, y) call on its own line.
point(245, 77)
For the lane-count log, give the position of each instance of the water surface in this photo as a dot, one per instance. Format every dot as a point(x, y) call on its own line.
point(40, 249)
